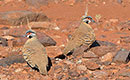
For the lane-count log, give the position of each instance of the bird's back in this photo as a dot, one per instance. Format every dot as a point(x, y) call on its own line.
point(83, 35)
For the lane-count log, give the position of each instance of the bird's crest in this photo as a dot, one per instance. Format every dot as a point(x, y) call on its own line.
point(86, 12)
point(28, 25)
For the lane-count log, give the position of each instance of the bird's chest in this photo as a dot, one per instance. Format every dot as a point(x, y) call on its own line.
point(31, 47)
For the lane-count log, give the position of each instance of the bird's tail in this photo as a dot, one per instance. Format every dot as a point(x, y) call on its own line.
point(43, 70)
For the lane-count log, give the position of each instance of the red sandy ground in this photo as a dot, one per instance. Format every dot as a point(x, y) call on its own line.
point(63, 14)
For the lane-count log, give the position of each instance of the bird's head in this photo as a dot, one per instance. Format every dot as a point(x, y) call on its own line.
point(30, 34)
point(87, 19)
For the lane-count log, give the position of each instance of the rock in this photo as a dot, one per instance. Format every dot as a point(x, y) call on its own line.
point(18, 17)
point(43, 25)
point(57, 28)
point(83, 78)
point(119, 1)
point(18, 70)
point(11, 60)
point(103, 36)
point(105, 43)
point(102, 50)
point(124, 26)
point(92, 65)
point(43, 38)
point(17, 32)
point(79, 61)
point(74, 73)
point(108, 57)
point(4, 28)
point(8, 37)
point(59, 77)
point(68, 62)
point(125, 39)
point(58, 69)
point(100, 74)
point(122, 56)
point(37, 3)
point(3, 41)
point(82, 68)
point(89, 54)
point(3, 77)
point(125, 74)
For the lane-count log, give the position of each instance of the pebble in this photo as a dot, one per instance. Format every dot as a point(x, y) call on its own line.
point(56, 28)
point(82, 67)
point(83, 78)
point(18, 70)
point(79, 62)
point(74, 74)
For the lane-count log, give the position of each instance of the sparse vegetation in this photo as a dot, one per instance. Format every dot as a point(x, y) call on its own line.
point(98, 17)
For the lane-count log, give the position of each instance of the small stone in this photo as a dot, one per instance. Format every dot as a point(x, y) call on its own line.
point(83, 78)
point(89, 54)
point(56, 28)
point(18, 17)
point(59, 77)
point(24, 72)
point(103, 50)
point(100, 74)
point(4, 28)
point(125, 74)
point(103, 36)
point(18, 70)
point(118, 42)
point(74, 74)
point(3, 41)
point(108, 57)
point(79, 62)
point(11, 60)
point(46, 25)
point(58, 69)
point(125, 39)
point(68, 62)
point(124, 26)
point(82, 68)
point(8, 37)
point(92, 65)
point(119, 1)
point(36, 3)
point(105, 43)
point(2, 75)
point(122, 56)
point(104, 2)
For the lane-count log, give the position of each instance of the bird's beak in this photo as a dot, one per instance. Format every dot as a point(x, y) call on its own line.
point(93, 21)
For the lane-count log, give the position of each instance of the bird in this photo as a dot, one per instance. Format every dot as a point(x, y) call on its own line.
point(34, 52)
point(83, 36)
